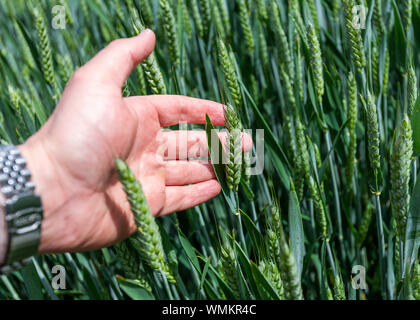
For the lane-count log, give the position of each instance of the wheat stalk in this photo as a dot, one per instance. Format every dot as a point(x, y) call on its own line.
point(147, 240)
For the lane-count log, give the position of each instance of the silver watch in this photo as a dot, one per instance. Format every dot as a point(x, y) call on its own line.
point(23, 209)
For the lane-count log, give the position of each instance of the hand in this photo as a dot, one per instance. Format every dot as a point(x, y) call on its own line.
point(72, 156)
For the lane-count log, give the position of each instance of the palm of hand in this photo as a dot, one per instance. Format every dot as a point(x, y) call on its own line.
point(85, 206)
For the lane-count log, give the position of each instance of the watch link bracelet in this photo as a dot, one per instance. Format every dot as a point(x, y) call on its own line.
point(22, 209)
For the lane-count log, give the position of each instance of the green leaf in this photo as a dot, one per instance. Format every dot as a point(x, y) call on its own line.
point(246, 264)
point(217, 155)
point(296, 234)
point(32, 282)
point(412, 236)
point(205, 270)
point(189, 250)
point(282, 164)
point(415, 124)
point(134, 290)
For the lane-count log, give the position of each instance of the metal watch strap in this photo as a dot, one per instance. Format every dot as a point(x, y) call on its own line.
point(23, 209)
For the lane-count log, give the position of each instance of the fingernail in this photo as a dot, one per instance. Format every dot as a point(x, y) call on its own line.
point(145, 32)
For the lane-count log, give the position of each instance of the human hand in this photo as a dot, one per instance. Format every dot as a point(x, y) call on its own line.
point(72, 156)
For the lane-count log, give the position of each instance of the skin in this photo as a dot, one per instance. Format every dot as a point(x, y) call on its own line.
point(72, 156)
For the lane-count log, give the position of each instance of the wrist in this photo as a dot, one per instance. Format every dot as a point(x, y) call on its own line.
point(42, 175)
point(3, 232)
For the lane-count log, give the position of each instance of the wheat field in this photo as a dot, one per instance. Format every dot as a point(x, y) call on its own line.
point(335, 214)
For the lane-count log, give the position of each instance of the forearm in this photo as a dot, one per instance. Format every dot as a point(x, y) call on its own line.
point(3, 232)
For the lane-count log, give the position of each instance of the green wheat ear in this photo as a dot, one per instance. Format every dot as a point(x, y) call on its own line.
point(262, 11)
point(146, 12)
point(186, 19)
point(272, 274)
point(283, 256)
point(285, 260)
point(364, 224)
point(45, 48)
point(150, 66)
point(147, 240)
point(320, 215)
point(169, 24)
point(229, 73)
point(130, 265)
point(378, 18)
point(416, 281)
point(281, 38)
point(412, 90)
point(354, 36)
point(314, 14)
point(400, 175)
point(198, 21)
point(373, 134)
point(406, 13)
point(230, 268)
point(233, 167)
point(316, 62)
point(352, 118)
point(206, 14)
point(217, 17)
point(301, 159)
point(224, 12)
point(339, 291)
point(246, 26)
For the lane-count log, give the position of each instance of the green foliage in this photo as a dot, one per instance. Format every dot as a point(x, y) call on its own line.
point(333, 101)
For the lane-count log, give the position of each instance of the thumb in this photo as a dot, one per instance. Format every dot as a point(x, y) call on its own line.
point(113, 64)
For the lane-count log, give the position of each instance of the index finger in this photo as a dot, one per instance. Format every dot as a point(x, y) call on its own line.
point(173, 109)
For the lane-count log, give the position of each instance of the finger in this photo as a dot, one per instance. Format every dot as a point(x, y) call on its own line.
point(180, 173)
point(182, 198)
point(173, 109)
point(114, 64)
point(193, 144)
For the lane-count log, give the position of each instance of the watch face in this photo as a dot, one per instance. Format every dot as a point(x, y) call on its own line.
point(23, 208)
point(14, 176)
point(23, 212)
